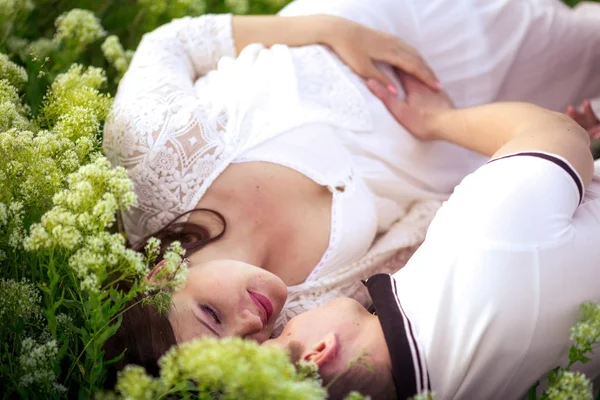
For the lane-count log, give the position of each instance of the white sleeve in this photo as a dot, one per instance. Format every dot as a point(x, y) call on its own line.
point(156, 99)
point(160, 127)
point(519, 199)
point(185, 48)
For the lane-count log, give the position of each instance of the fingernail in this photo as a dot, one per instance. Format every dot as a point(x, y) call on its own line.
point(438, 85)
point(392, 89)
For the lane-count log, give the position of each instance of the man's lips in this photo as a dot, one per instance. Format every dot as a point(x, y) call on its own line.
point(265, 307)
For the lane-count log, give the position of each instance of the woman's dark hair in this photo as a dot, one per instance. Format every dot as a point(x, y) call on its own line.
point(145, 333)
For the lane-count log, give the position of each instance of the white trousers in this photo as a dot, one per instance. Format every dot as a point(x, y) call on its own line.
point(538, 51)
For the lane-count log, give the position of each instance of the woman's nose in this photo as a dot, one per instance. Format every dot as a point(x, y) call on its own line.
point(248, 325)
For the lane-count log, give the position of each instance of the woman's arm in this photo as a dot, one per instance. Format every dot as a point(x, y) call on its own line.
point(494, 129)
point(357, 45)
point(292, 31)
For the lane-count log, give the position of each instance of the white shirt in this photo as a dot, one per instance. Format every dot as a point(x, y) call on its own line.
point(495, 288)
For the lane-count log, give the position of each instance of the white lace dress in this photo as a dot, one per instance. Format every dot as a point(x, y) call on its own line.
point(187, 108)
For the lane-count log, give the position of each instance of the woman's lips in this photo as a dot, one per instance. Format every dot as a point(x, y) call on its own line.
point(265, 307)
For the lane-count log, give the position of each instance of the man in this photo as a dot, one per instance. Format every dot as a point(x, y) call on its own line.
point(484, 307)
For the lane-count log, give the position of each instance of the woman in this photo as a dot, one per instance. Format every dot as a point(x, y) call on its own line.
point(288, 148)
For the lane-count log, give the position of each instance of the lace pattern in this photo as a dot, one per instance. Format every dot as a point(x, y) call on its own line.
point(389, 253)
point(175, 135)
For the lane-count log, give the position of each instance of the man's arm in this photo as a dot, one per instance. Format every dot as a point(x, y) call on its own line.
point(494, 129)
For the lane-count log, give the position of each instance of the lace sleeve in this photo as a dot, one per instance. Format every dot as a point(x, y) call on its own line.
point(186, 47)
point(160, 127)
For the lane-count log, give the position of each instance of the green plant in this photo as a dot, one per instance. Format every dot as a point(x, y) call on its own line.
point(61, 256)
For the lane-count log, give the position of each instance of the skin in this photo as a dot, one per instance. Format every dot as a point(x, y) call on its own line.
point(278, 219)
point(509, 127)
point(334, 335)
point(218, 304)
point(586, 118)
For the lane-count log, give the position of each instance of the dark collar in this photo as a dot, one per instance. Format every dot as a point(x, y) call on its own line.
point(408, 364)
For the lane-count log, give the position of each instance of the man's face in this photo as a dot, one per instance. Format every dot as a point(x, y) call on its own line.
point(334, 337)
point(328, 331)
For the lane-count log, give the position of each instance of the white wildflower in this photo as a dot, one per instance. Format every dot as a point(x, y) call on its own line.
point(567, 385)
point(41, 48)
point(16, 75)
point(20, 300)
point(36, 364)
point(16, 214)
point(116, 55)
point(79, 28)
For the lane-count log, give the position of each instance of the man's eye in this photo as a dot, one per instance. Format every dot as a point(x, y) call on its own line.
point(208, 309)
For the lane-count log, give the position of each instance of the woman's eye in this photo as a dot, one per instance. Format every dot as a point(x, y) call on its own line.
point(208, 309)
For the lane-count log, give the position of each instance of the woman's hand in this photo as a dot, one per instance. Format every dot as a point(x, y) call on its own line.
point(421, 106)
point(587, 119)
point(360, 47)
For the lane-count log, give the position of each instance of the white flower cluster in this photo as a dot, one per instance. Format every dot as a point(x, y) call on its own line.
point(568, 385)
point(77, 87)
point(13, 114)
point(79, 220)
point(99, 255)
point(11, 222)
point(19, 300)
point(586, 332)
point(173, 272)
point(41, 48)
point(115, 54)
point(14, 7)
point(73, 110)
point(36, 365)
point(14, 74)
point(12, 13)
point(78, 28)
point(173, 8)
point(233, 367)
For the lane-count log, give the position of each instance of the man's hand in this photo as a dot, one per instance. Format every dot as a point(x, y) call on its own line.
point(420, 106)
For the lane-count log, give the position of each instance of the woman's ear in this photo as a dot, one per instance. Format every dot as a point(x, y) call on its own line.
point(152, 276)
point(323, 352)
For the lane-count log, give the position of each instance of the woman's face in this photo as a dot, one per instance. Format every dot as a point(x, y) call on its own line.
point(227, 298)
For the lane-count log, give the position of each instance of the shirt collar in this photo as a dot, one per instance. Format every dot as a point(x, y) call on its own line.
point(408, 363)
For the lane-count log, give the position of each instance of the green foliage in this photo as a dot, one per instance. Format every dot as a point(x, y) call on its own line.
point(47, 36)
point(61, 256)
point(233, 368)
point(564, 384)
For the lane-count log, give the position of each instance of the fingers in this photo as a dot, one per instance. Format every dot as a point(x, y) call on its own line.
point(370, 71)
point(409, 60)
point(589, 112)
point(587, 119)
point(595, 132)
point(382, 92)
point(410, 83)
point(418, 68)
point(389, 99)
